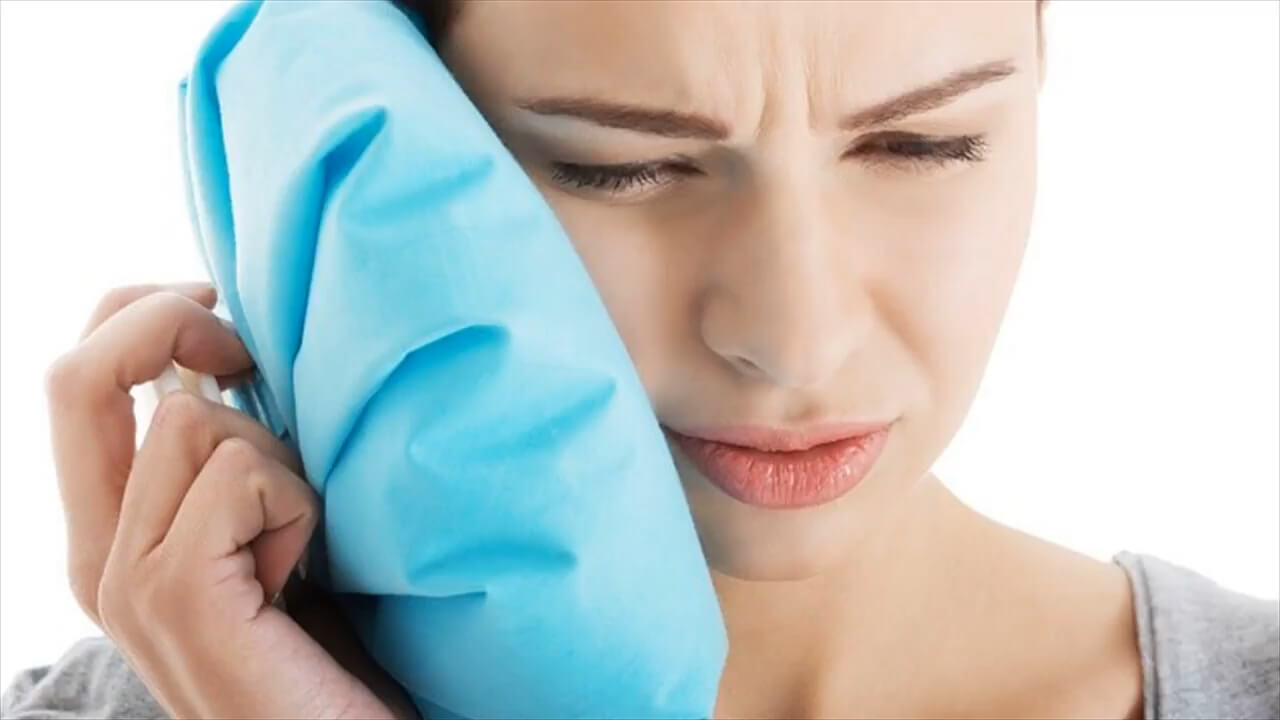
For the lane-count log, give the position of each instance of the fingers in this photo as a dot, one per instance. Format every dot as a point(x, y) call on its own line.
point(91, 412)
point(144, 336)
point(244, 496)
point(201, 292)
point(184, 434)
point(115, 300)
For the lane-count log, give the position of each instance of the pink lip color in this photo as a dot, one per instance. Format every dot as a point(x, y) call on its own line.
point(776, 469)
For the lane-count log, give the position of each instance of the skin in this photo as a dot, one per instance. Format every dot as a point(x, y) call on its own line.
point(787, 284)
point(177, 549)
point(785, 278)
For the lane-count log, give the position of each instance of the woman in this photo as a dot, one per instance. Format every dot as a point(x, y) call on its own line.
point(805, 220)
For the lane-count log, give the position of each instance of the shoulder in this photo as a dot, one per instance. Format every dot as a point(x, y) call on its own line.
point(90, 680)
point(1207, 651)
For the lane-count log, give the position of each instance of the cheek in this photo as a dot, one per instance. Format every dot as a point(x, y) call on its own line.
point(637, 268)
point(952, 267)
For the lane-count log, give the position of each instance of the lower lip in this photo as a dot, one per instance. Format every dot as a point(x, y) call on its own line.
point(785, 479)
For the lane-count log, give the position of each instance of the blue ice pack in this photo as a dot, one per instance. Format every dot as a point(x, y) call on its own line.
point(502, 518)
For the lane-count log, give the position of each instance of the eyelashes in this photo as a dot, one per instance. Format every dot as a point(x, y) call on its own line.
point(619, 178)
point(922, 149)
point(906, 152)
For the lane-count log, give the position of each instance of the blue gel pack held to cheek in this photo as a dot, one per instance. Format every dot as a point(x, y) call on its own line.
point(502, 519)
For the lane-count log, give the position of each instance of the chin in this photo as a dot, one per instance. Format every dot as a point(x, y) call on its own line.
point(752, 543)
point(760, 544)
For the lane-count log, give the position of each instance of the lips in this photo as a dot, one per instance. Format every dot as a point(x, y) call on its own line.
point(784, 469)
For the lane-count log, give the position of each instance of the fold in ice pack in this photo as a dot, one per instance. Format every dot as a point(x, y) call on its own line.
point(501, 514)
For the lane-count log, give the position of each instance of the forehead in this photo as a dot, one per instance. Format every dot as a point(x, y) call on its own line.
point(728, 56)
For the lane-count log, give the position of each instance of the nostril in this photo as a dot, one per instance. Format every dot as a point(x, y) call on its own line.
point(746, 366)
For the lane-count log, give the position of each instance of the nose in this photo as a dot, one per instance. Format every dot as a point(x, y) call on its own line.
point(784, 302)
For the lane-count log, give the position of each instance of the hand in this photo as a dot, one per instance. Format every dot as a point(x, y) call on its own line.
point(177, 551)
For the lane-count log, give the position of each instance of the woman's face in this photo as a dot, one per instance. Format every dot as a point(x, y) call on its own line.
point(776, 246)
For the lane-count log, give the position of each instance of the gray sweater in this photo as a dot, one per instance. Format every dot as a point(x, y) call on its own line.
point(1207, 652)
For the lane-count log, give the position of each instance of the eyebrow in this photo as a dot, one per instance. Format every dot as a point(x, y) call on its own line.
point(653, 121)
point(675, 124)
point(928, 97)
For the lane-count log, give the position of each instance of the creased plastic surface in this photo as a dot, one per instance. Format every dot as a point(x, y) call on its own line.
point(501, 512)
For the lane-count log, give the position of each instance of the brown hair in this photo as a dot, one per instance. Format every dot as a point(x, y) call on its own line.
point(433, 17)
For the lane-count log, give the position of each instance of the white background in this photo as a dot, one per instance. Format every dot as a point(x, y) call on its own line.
point(1132, 400)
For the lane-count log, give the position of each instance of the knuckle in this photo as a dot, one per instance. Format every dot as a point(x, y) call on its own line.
point(64, 377)
point(166, 303)
point(312, 499)
point(114, 300)
point(181, 414)
point(238, 457)
point(311, 503)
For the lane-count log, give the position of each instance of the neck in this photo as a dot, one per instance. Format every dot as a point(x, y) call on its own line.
point(796, 645)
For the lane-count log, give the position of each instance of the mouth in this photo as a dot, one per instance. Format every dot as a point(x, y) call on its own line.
point(779, 469)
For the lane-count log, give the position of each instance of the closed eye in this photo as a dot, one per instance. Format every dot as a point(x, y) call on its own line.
point(896, 150)
point(621, 178)
point(910, 151)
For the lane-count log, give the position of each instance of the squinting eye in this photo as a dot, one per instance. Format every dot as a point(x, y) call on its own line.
point(620, 179)
point(904, 150)
point(921, 152)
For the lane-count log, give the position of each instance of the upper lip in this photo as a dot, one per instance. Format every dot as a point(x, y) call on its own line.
point(761, 437)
